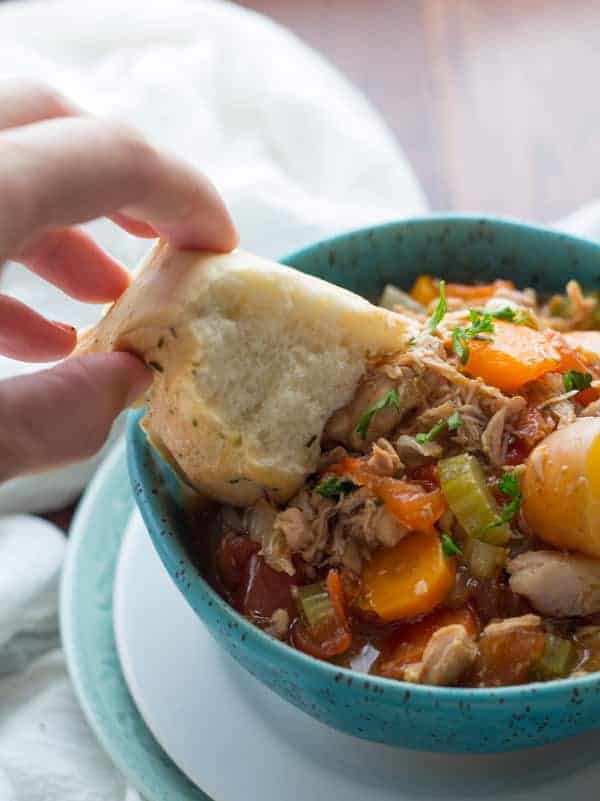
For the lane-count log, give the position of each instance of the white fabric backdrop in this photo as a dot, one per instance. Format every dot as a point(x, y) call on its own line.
point(298, 155)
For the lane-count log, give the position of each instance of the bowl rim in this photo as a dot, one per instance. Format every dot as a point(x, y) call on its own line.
point(172, 551)
point(498, 221)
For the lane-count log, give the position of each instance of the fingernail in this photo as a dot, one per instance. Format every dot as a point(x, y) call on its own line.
point(68, 329)
point(140, 384)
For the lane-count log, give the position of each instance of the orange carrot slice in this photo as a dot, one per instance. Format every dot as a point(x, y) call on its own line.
point(424, 290)
point(514, 355)
point(476, 292)
point(408, 580)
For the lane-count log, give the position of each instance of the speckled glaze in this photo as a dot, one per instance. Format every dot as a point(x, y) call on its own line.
point(436, 719)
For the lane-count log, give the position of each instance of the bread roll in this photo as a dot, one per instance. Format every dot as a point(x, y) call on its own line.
point(250, 358)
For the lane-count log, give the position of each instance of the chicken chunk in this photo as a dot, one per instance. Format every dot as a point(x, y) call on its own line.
point(383, 459)
point(557, 584)
point(450, 652)
point(342, 426)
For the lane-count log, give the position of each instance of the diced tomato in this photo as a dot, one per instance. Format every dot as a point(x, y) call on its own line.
point(530, 428)
point(325, 644)
point(266, 590)
point(426, 475)
point(331, 638)
point(572, 359)
point(506, 658)
point(233, 555)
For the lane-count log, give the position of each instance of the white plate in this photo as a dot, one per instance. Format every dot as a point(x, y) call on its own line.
point(238, 741)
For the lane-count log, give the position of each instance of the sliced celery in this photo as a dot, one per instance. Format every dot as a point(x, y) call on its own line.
point(315, 604)
point(556, 660)
point(392, 296)
point(465, 489)
point(484, 560)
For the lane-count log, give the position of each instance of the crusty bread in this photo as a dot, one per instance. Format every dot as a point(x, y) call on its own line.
point(250, 357)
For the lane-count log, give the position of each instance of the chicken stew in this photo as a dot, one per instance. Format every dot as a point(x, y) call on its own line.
point(451, 535)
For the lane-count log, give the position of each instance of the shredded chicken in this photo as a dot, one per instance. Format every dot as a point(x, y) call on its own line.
point(493, 440)
point(511, 624)
point(331, 457)
point(384, 460)
point(448, 655)
point(342, 426)
point(557, 584)
point(592, 409)
point(321, 531)
point(279, 624)
point(414, 454)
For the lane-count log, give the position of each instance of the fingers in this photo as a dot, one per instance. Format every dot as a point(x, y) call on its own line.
point(49, 170)
point(23, 102)
point(29, 337)
point(135, 227)
point(64, 414)
point(71, 260)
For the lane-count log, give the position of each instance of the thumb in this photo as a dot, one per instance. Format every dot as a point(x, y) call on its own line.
point(64, 414)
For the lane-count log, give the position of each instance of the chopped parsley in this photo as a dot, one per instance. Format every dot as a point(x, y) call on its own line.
point(390, 400)
point(512, 316)
point(574, 380)
point(451, 423)
point(505, 314)
point(440, 310)
point(334, 487)
point(508, 485)
point(481, 324)
point(449, 546)
point(454, 421)
point(430, 435)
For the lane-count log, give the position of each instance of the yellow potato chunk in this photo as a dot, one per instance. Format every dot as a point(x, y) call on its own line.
point(561, 488)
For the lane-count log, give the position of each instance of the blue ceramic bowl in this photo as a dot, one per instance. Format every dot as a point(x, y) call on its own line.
point(437, 719)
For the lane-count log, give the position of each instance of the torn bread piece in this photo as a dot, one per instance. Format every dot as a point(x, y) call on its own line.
point(251, 358)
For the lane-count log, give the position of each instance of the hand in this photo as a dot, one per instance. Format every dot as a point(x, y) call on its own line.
point(58, 168)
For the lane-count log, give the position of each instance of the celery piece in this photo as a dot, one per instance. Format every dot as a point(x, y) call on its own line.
point(315, 604)
point(484, 560)
point(465, 489)
point(556, 660)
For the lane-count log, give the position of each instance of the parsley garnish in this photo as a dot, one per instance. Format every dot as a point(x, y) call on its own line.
point(454, 421)
point(391, 399)
point(481, 324)
point(334, 487)
point(508, 485)
point(424, 437)
point(512, 316)
point(449, 547)
point(505, 314)
point(451, 423)
point(574, 380)
point(440, 310)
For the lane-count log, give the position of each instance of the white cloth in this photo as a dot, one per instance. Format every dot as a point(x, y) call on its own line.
point(298, 155)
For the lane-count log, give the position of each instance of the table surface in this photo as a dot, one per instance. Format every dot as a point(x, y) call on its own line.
point(493, 102)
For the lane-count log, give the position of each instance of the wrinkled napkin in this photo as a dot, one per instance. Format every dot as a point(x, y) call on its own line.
point(298, 155)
